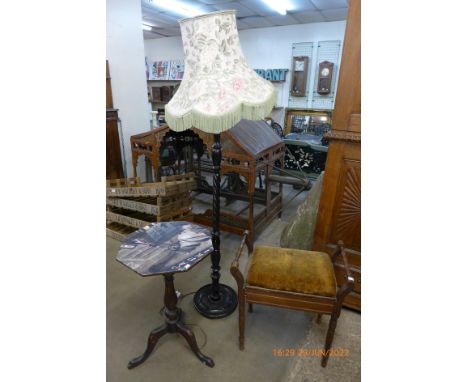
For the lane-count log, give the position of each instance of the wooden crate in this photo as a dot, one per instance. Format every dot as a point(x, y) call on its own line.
point(118, 231)
point(184, 214)
point(160, 205)
point(139, 219)
point(129, 218)
point(169, 185)
point(124, 182)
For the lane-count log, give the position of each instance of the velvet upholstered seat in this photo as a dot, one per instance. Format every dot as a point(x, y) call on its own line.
point(292, 270)
point(292, 279)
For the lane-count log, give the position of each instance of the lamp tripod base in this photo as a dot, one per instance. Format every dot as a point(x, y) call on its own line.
point(209, 306)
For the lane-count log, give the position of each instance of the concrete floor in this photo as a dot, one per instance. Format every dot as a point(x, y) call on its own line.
point(133, 310)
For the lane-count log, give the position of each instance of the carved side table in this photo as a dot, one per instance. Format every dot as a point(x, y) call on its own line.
point(164, 249)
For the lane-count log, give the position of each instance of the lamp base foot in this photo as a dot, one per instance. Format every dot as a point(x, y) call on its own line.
point(215, 308)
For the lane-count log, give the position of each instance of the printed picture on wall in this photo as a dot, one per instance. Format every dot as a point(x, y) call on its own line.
point(160, 70)
point(176, 71)
point(147, 68)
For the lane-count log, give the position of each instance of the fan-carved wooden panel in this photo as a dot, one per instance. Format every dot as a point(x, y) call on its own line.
point(347, 214)
point(339, 216)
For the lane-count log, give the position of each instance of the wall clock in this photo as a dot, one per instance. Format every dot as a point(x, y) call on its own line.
point(299, 76)
point(299, 66)
point(325, 77)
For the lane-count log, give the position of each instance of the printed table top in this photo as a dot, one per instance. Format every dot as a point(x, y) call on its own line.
point(168, 247)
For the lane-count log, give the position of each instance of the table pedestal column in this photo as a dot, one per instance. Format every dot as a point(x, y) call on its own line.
point(174, 324)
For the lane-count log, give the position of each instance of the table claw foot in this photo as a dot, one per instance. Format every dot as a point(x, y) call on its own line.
point(190, 337)
point(153, 339)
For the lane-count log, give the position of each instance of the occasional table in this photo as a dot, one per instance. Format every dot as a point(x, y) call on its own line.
point(164, 249)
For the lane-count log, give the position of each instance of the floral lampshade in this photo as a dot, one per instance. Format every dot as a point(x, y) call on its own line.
point(218, 88)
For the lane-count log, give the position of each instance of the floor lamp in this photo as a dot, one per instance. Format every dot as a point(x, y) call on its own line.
point(218, 89)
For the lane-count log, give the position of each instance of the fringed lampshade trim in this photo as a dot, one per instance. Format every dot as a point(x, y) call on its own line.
point(218, 123)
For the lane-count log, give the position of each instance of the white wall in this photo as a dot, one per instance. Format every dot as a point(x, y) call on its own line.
point(126, 55)
point(264, 48)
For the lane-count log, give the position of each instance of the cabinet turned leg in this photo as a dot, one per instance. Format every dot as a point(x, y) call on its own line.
point(251, 237)
point(329, 340)
point(153, 339)
point(190, 337)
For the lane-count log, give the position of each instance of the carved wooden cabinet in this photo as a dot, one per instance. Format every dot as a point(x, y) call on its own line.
point(114, 168)
point(339, 216)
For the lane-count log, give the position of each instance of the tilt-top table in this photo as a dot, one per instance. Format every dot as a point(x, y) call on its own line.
point(164, 249)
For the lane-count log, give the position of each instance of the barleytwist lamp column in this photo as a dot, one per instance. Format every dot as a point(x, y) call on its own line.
point(216, 300)
point(218, 89)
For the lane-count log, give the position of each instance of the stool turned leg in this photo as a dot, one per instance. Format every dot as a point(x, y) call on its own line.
point(241, 322)
point(250, 308)
point(340, 296)
point(329, 340)
point(250, 240)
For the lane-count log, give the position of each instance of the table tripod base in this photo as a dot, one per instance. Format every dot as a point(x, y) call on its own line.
point(171, 327)
point(215, 308)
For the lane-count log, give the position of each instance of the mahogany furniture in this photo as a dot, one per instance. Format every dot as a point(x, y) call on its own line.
point(306, 155)
point(164, 147)
point(165, 249)
point(292, 279)
point(215, 300)
point(148, 144)
point(114, 167)
point(250, 149)
point(306, 147)
point(339, 215)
